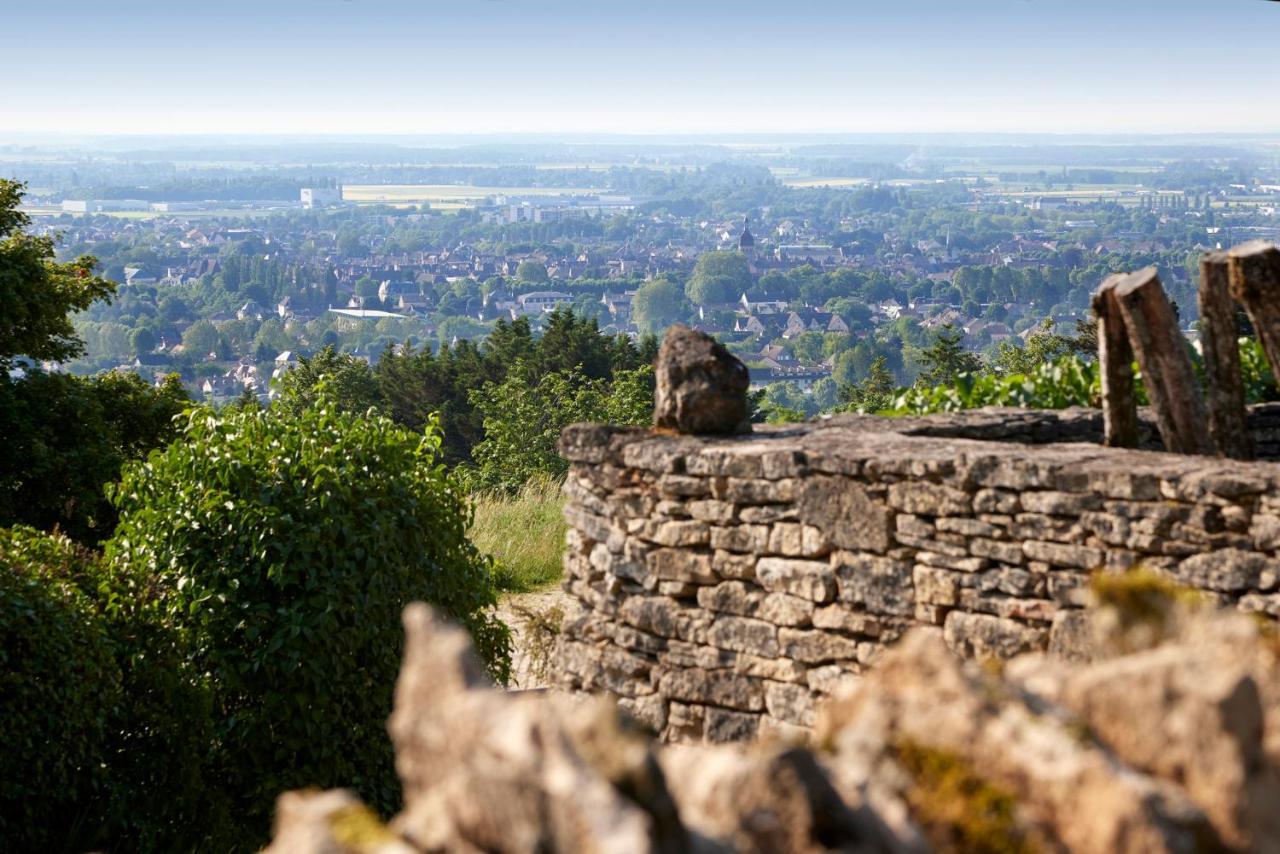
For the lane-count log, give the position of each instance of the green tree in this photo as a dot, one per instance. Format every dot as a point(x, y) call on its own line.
point(37, 293)
point(718, 277)
point(343, 380)
point(202, 338)
point(874, 393)
point(657, 305)
point(524, 414)
point(1042, 346)
point(281, 550)
point(532, 272)
point(945, 359)
point(66, 439)
point(142, 341)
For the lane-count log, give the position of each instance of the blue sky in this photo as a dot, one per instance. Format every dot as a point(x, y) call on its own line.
point(646, 66)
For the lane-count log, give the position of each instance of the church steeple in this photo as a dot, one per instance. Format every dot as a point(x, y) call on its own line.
point(746, 243)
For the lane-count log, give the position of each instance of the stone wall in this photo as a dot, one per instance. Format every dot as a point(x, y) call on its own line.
point(727, 583)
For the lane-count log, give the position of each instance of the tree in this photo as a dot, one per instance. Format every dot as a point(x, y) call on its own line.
point(343, 380)
point(202, 338)
point(281, 549)
point(142, 341)
point(1042, 346)
point(532, 272)
point(37, 293)
point(718, 277)
point(657, 305)
point(66, 438)
point(524, 414)
point(945, 359)
point(874, 393)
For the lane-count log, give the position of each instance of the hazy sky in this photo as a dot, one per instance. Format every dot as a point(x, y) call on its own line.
point(699, 66)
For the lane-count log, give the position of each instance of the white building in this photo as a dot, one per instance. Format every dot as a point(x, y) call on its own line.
point(319, 197)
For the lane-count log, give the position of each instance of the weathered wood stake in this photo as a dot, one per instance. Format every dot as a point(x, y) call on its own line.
point(1166, 367)
point(1255, 284)
point(1115, 361)
point(1224, 393)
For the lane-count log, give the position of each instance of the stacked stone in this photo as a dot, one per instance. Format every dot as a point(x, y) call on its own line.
point(727, 583)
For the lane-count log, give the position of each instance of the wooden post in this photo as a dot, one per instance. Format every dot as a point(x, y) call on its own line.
point(1166, 367)
point(1224, 388)
point(1115, 363)
point(1255, 284)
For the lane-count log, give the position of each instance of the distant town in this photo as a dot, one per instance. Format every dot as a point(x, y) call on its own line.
point(807, 260)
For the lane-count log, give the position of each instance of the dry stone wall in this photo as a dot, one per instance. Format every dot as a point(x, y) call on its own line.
point(726, 584)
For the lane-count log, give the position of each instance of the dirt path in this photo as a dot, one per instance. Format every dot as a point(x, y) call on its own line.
point(534, 619)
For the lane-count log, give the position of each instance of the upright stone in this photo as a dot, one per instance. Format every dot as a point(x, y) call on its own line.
point(1166, 367)
point(701, 386)
point(1224, 388)
point(1115, 358)
point(1255, 283)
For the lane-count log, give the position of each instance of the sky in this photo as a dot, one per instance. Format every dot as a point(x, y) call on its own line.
point(639, 67)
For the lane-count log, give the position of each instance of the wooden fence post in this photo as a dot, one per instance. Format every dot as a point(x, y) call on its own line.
point(1166, 367)
point(1115, 363)
point(1255, 284)
point(1224, 388)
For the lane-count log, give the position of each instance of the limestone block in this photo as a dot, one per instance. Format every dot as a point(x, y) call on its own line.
point(713, 687)
point(929, 499)
point(816, 647)
point(744, 634)
point(1063, 554)
point(936, 586)
point(783, 609)
point(789, 702)
point(807, 579)
point(878, 584)
point(730, 597)
point(986, 636)
point(845, 512)
point(1226, 570)
point(740, 538)
point(672, 564)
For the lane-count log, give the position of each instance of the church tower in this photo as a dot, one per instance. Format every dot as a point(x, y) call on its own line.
point(746, 243)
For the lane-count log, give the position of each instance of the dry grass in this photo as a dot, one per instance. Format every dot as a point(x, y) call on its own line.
point(524, 534)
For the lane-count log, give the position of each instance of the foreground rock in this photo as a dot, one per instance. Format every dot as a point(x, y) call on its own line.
point(701, 386)
point(1158, 745)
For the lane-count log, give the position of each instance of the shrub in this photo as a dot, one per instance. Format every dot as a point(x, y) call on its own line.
point(1067, 381)
point(105, 732)
point(66, 438)
point(58, 683)
point(281, 549)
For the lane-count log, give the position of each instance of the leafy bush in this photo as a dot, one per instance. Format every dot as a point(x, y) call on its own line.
point(58, 682)
point(105, 731)
point(1067, 381)
point(66, 438)
point(281, 549)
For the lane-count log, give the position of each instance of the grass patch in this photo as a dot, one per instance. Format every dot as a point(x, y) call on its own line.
point(524, 534)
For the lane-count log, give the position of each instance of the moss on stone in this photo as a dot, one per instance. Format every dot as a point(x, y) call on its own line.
point(958, 809)
point(1140, 597)
point(358, 828)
